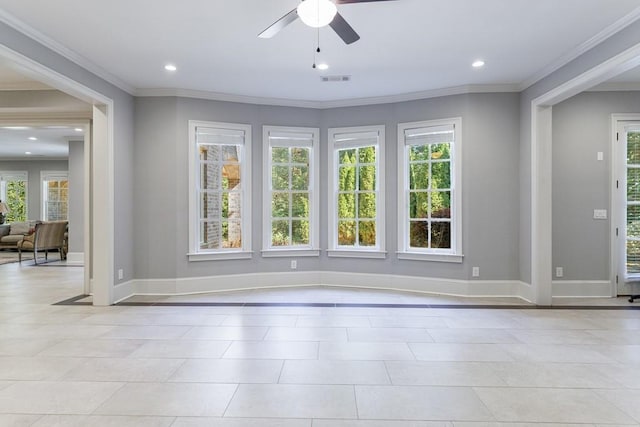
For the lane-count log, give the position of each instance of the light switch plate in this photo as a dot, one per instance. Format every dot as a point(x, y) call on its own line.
point(599, 214)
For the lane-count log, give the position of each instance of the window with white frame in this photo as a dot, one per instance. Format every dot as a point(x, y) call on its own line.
point(356, 192)
point(55, 195)
point(220, 179)
point(13, 192)
point(290, 191)
point(429, 193)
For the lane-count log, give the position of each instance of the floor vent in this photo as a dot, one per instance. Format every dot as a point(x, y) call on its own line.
point(335, 78)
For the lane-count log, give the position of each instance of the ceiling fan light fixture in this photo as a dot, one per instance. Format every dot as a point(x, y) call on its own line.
point(317, 13)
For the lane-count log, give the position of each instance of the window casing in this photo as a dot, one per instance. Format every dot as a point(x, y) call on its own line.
point(14, 191)
point(429, 192)
point(55, 195)
point(220, 192)
point(356, 192)
point(290, 199)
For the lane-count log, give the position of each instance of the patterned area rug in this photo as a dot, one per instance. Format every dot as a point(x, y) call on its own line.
point(7, 257)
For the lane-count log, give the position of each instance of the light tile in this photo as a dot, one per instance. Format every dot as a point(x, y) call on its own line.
point(226, 333)
point(555, 375)
point(365, 351)
point(389, 335)
point(92, 348)
point(46, 397)
point(627, 400)
point(17, 420)
point(24, 347)
point(239, 422)
point(293, 401)
point(126, 370)
point(407, 322)
point(550, 406)
point(443, 352)
point(228, 371)
point(443, 374)
point(182, 349)
point(36, 368)
point(306, 334)
point(333, 372)
point(146, 332)
point(474, 336)
point(333, 322)
point(169, 399)
point(102, 421)
point(259, 320)
point(272, 350)
point(420, 403)
point(555, 353)
point(378, 423)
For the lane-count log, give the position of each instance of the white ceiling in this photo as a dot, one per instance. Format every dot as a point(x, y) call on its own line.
point(52, 142)
point(407, 46)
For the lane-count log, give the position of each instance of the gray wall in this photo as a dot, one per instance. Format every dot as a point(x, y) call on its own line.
point(581, 183)
point(490, 183)
point(76, 196)
point(34, 186)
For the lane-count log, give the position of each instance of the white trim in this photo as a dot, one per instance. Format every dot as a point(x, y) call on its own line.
point(63, 51)
point(455, 254)
point(589, 44)
point(346, 253)
point(581, 289)
point(290, 253)
point(332, 169)
point(616, 87)
point(238, 282)
point(75, 258)
point(314, 189)
point(124, 290)
point(194, 253)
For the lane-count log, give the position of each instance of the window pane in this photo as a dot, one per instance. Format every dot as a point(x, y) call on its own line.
point(210, 176)
point(366, 205)
point(367, 178)
point(300, 205)
point(440, 151)
point(419, 234)
point(210, 235)
point(16, 200)
point(418, 204)
point(280, 233)
point(633, 256)
point(232, 234)
point(300, 155)
point(440, 204)
point(280, 155)
point(633, 221)
point(346, 157)
point(367, 154)
point(633, 148)
point(346, 205)
point(280, 205)
point(633, 184)
point(419, 176)
point(347, 178)
point(232, 174)
point(346, 233)
point(441, 235)
point(418, 152)
point(300, 178)
point(367, 233)
point(441, 175)
point(211, 153)
point(280, 177)
point(234, 205)
point(300, 232)
point(210, 206)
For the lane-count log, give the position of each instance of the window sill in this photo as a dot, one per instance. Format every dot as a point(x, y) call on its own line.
point(332, 253)
point(417, 256)
point(219, 256)
point(275, 253)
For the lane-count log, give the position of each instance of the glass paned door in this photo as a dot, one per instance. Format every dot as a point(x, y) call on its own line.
point(632, 211)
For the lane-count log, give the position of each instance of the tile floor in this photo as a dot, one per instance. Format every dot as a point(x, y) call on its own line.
point(295, 366)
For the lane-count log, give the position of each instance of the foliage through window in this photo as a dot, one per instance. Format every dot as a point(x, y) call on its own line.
point(357, 207)
point(428, 205)
point(291, 188)
point(13, 191)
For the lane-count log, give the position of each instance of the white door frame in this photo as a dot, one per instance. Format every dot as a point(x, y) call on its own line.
point(100, 261)
point(541, 164)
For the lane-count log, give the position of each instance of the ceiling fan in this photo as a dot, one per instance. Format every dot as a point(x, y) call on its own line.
point(318, 13)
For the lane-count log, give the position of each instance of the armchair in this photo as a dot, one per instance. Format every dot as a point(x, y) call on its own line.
point(49, 235)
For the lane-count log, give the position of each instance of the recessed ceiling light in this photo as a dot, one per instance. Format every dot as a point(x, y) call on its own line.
point(78, 129)
point(16, 127)
point(33, 138)
point(170, 67)
point(478, 64)
point(27, 152)
point(323, 66)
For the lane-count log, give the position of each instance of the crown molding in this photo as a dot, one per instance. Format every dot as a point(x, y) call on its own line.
point(609, 31)
point(64, 51)
point(281, 102)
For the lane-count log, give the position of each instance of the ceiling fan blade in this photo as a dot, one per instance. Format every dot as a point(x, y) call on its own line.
point(275, 28)
point(356, 1)
point(344, 30)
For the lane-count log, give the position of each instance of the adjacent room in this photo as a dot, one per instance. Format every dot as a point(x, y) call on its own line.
point(351, 213)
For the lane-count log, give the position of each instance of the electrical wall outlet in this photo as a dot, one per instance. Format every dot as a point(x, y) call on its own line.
point(294, 264)
point(120, 274)
point(475, 272)
point(559, 271)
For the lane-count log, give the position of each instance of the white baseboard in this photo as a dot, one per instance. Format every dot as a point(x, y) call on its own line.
point(123, 291)
point(75, 258)
point(237, 282)
point(581, 289)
